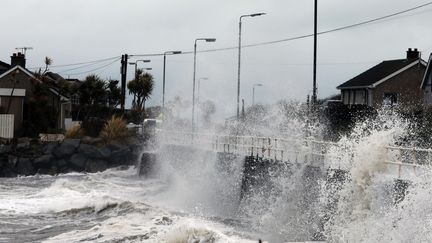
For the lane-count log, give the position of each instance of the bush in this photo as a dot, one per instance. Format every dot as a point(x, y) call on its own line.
point(93, 126)
point(115, 131)
point(74, 132)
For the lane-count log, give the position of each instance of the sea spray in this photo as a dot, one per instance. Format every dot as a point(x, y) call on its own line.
point(367, 195)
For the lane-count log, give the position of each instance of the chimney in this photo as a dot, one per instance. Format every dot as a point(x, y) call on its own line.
point(18, 59)
point(413, 54)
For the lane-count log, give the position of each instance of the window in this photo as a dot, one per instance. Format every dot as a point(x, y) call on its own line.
point(360, 97)
point(75, 99)
point(352, 97)
point(345, 97)
point(389, 99)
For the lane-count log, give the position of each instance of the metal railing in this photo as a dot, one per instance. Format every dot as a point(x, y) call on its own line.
point(307, 150)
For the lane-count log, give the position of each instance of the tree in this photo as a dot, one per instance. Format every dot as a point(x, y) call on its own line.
point(114, 93)
point(92, 91)
point(141, 87)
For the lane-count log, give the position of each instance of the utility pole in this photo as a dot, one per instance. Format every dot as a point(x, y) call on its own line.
point(123, 71)
point(314, 91)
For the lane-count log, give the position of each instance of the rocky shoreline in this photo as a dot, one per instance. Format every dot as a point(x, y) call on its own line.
point(70, 155)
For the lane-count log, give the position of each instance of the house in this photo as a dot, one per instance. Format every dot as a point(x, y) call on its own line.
point(426, 85)
point(389, 83)
point(18, 88)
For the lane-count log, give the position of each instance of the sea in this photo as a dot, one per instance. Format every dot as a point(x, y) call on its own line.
point(198, 201)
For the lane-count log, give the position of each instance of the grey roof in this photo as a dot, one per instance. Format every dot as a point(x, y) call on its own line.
point(54, 76)
point(376, 73)
point(4, 67)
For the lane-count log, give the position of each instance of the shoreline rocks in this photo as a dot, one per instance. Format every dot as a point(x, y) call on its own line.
point(71, 155)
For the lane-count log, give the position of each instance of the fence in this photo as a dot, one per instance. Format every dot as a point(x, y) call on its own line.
point(6, 126)
point(308, 150)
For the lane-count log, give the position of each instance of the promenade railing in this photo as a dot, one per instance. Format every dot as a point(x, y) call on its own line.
point(306, 150)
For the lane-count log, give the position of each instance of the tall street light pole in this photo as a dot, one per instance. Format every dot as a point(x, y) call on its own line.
point(253, 92)
point(163, 83)
point(194, 72)
point(239, 58)
point(199, 84)
point(198, 98)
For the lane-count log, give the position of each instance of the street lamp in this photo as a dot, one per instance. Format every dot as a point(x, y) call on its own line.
point(239, 57)
point(163, 83)
point(199, 84)
point(253, 92)
point(194, 72)
point(136, 64)
point(198, 97)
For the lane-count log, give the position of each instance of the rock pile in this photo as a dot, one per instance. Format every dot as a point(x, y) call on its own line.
point(68, 156)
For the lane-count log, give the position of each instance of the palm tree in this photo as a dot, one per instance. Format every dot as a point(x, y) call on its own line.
point(141, 87)
point(92, 91)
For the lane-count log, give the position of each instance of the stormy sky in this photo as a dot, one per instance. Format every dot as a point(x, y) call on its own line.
point(86, 30)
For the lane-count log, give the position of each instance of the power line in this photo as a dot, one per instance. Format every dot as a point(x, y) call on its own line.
point(80, 63)
point(249, 45)
point(80, 67)
point(98, 68)
point(307, 35)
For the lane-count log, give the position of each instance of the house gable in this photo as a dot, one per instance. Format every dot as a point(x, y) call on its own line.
point(18, 78)
point(401, 88)
point(398, 79)
point(17, 68)
point(380, 73)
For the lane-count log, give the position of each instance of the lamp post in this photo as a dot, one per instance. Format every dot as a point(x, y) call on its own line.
point(194, 72)
point(199, 84)
point(136, 65)
point(198, 97)
point(163, 83)
point(253, 92)
point(239, 58)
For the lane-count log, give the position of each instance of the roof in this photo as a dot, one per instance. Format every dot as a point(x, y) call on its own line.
point(4, 67)
point(54, 76)
point(52, 89)
point(15, 68)
point(380, 73)
point(427, 73)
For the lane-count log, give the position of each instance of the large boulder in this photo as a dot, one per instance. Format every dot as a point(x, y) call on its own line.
point(12, 160)
point(61, 163)
point(6, 170)
point(24, 167)
point(120, 154)
point(90, 151)
point(47, 171)
point(49, 148)
point(43, 161)
point(65, 149)
point(78, 162)
point(105, 152)
point(5, 149)
point(96, 165)
point(74, 142)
